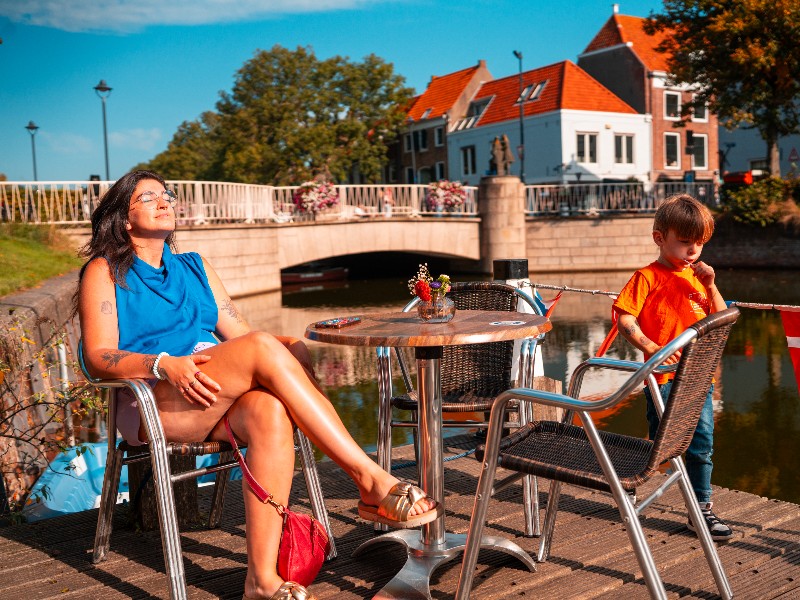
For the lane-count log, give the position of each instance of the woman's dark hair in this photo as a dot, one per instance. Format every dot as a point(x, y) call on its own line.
point(110, 238)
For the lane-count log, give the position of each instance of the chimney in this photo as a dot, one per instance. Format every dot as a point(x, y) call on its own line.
point(482, 63)
point(615, 8)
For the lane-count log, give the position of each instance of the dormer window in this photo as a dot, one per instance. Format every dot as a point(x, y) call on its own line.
point(426, 114)
point(531, 92)
point(476, 108)
point(524, 95)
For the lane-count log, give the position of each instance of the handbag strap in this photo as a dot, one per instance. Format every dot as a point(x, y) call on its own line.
point(262, 494)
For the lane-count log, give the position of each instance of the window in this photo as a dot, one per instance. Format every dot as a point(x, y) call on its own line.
point(407, 142)
point(410, 175)
point(438, 136)
point(421, 140)
point(700, 113)
point(699, 150)
point(477, 107)
point(392, 173)
point(623, 149)
point(672, 105)
point(672, 144)
point(587, 148)
point(537, 90)
point(468, 160)
point(426, 114)
point(524, 95)
point(439, 171)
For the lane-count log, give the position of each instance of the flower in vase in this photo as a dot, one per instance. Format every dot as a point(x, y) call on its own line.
point(425, 287)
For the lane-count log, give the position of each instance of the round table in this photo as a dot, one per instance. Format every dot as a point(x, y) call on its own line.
point(433, 545)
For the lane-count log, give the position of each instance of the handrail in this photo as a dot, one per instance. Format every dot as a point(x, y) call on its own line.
point(208, 202)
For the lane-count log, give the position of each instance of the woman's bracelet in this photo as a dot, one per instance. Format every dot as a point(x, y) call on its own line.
point(155, 364)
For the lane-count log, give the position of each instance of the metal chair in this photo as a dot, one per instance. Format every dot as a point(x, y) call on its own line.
point(606, 461)
point(158, 453)
point(472, 377)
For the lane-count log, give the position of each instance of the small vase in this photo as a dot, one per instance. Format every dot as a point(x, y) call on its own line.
point(437, 310)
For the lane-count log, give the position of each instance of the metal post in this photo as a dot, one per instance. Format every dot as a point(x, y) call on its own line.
point(518, 54)
point(32, 128)
point(103, 92)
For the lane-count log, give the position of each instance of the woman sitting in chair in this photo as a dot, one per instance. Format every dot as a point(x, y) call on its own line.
point(147, 312)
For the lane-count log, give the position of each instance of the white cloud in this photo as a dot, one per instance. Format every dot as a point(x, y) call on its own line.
point(125, 16)
point(135, 139)
point(67, 143)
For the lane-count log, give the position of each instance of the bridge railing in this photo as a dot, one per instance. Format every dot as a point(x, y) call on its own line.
point(600, 198)
point(200, 202)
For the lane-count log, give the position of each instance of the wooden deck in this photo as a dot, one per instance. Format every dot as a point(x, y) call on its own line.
point(590, 558)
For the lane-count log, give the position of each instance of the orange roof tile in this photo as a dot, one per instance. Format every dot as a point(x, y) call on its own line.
point(441, 94)
point(568, 87)
point(623, 29)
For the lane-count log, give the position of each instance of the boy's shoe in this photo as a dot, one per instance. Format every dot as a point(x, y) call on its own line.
point(719, 531)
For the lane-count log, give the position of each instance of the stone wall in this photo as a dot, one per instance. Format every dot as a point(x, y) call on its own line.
point(740, 246)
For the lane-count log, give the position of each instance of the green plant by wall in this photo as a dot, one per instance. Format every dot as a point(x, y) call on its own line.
point(763, 203)
point(42, 394)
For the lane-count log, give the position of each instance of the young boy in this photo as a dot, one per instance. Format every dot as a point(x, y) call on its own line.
point(662, 300)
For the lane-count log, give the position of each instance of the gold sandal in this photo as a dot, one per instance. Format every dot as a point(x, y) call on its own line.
point(290, 590)
point(394, 508)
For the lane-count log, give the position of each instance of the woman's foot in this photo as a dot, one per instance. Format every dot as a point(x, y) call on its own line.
point(288, 590)
point(402, 506)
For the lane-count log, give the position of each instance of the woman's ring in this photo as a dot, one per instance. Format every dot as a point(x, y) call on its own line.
point(192, 382)
point(186, 390)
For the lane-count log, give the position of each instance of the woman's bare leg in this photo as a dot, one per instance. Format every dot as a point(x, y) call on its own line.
point(260, 420)
point(259, 359)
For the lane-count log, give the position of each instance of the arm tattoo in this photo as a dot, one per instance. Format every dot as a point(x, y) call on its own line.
point(105, 307)
point(111, 358)
point(229, 308)
point(148, 362)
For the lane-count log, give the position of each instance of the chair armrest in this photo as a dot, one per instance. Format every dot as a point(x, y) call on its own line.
point(576, 381)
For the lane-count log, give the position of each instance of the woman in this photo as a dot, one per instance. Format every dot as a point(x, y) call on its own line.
point(147, 312)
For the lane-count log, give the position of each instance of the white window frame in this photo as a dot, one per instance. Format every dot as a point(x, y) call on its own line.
point(438, 136)
point(407, 142)
point(677, 136)
point(468, 163)
point(627, 153)
point(703, 119)
point(587, 136)
point(704, 138)
point(525, 93)
point(667, 116)
point(426, 114)
point(438, 171)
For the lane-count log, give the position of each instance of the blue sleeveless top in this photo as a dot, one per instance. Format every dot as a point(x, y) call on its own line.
point(169, 309)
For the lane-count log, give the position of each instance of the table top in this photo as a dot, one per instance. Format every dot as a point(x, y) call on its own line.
point(406, 329)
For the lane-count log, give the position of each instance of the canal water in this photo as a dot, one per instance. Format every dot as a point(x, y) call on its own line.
point(757, 404)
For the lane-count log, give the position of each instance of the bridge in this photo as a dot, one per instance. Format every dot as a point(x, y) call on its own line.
point(252, 232)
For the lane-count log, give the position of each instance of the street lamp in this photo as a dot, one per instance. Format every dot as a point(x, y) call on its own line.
point(103, 91)
point(32, 128)
point(521, 147)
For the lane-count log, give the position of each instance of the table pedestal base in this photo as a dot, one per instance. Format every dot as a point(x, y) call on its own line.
point(412, 581)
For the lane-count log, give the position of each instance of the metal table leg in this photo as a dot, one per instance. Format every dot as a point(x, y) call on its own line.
point(431, 546)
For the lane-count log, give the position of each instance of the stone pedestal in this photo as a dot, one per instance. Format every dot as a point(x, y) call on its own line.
point(502, 212)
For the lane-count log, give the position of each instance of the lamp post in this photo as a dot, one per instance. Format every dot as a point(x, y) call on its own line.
point(103, 91)
point(521, 148)
point(32, 129)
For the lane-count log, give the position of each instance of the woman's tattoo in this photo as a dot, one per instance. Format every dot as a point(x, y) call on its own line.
point(105, 307)
point(112, 357)
point(149, 361)
point(230, 308)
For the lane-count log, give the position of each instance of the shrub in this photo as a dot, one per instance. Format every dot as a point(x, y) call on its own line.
point(763, 203)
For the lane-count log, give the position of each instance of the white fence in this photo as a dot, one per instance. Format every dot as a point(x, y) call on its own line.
point(599, 198)
point(199, 202)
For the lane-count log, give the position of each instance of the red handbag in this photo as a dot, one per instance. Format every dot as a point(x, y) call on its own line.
point(304, 541)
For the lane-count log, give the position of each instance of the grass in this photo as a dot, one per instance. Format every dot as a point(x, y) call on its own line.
point(29, 254)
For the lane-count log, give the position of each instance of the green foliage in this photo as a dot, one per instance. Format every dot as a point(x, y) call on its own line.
point(31, 421)
point(29, 254)
point(763, 203)
point(743, 56)
point(289, 117)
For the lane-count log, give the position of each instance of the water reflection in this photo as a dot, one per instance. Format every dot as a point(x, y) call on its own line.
point(758, 424)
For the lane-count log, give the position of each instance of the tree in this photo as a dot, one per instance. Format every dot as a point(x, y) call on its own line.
point(743, 55)
point(291, 116)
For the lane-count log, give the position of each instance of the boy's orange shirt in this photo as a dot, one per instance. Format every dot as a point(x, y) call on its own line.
point(664, 302)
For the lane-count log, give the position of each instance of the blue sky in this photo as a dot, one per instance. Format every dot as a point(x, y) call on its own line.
point(168, 61)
